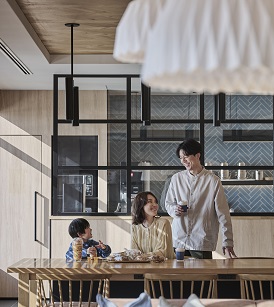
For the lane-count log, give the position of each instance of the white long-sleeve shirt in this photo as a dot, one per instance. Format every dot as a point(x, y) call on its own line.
point(198, 228)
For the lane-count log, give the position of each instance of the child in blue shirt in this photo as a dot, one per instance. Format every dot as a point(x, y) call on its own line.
point(81, 228)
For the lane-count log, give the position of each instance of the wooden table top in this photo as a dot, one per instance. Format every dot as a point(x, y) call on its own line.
point(190, 266)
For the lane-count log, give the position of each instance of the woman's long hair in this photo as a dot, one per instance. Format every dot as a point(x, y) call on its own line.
point(137, 208)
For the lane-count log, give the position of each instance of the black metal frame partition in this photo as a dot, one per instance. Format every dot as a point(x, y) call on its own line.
point(128, 121)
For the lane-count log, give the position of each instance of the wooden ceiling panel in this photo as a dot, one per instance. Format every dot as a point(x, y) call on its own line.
point(98, 20)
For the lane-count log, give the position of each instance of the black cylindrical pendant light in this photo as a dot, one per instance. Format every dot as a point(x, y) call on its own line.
point(216, 111)
point(219, 109)
point(222, 107)
point(75, 121)
point(145, 105)
point(69, 98)
point(70, 108)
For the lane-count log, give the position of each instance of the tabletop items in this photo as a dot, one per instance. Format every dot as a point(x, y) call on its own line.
point(134, 255)
point(77, 246)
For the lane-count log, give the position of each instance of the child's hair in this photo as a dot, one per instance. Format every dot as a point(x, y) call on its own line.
point(78, 226)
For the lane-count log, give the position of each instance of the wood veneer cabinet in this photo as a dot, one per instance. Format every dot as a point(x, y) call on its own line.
point(253, 236)
point(25, 130)
point(114, 231)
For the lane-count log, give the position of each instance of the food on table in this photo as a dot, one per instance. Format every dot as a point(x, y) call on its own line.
point(135, 255)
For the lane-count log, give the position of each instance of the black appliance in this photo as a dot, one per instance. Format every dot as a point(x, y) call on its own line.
point(136, 183)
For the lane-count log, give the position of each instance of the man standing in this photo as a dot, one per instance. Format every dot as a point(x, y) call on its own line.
point(197, 229)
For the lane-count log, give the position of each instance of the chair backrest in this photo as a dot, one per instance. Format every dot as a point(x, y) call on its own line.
point(256, 286)
point(60, 297)
point(204, 286)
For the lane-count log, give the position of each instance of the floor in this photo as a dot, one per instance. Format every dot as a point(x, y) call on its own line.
point(8, 303)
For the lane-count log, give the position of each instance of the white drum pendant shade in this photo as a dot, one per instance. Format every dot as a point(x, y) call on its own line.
point(132, 30)
point(212, 46)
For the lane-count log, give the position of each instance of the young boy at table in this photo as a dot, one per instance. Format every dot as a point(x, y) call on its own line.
point(80, 228)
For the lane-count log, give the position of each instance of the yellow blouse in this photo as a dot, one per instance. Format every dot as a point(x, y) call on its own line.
point(156, 238)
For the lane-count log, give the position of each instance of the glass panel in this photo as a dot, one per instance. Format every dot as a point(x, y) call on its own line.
point(117, 191)
point(117, 105)
point(77, 193)
point(97, 191)
point(93, 97)
point(155, 181)
point(251, 153)
point(165, 106)
point(106, 147)
point(158, 143)
point(243, 107)
point(117, 144)
point(77, 150)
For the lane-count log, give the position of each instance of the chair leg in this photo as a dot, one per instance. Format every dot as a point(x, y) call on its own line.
point(181, 289)
point(106, 288)
point(252, 290)
point(202, 289)
point(170, 289)
point(90, 292)
point(153, 290)
point(242, 286)
point(215, 289)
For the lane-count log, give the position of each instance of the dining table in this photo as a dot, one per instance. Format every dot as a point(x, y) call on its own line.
point(27, 269)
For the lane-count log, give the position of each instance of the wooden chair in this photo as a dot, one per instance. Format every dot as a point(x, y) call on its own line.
point(206, 285)
point(256, 286)
point(58, 297)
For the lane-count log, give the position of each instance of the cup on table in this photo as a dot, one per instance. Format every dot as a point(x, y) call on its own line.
point(77, 246)
point(180, 253)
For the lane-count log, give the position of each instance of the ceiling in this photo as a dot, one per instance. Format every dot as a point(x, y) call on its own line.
point(34, 30)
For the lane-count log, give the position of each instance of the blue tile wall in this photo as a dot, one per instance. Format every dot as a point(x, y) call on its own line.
point(247, 198)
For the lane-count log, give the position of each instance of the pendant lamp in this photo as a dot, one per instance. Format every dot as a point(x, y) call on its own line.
point(145, 105)
point(132, 30)
point(72, 92)
point(211, 46)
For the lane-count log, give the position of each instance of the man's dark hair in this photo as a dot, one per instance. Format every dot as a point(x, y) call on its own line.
point(77, 226)
point(189, 147)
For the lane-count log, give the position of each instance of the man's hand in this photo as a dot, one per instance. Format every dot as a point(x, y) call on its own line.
point(228, 250)
point(179, 210)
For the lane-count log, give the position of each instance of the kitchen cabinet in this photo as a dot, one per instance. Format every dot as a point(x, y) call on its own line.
point(114, 231)
point(23, 233)
point(25, 181)
point(247, 232)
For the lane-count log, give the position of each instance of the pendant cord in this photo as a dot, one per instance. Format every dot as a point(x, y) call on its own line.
point(71, 44)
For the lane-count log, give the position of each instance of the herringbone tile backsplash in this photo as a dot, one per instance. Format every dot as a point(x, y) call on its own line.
point(243, 198)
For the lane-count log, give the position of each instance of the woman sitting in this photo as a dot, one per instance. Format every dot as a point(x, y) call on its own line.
point(150, 233)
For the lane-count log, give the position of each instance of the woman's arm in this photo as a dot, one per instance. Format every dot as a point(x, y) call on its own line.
point(134, 238)
point(163, 241)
